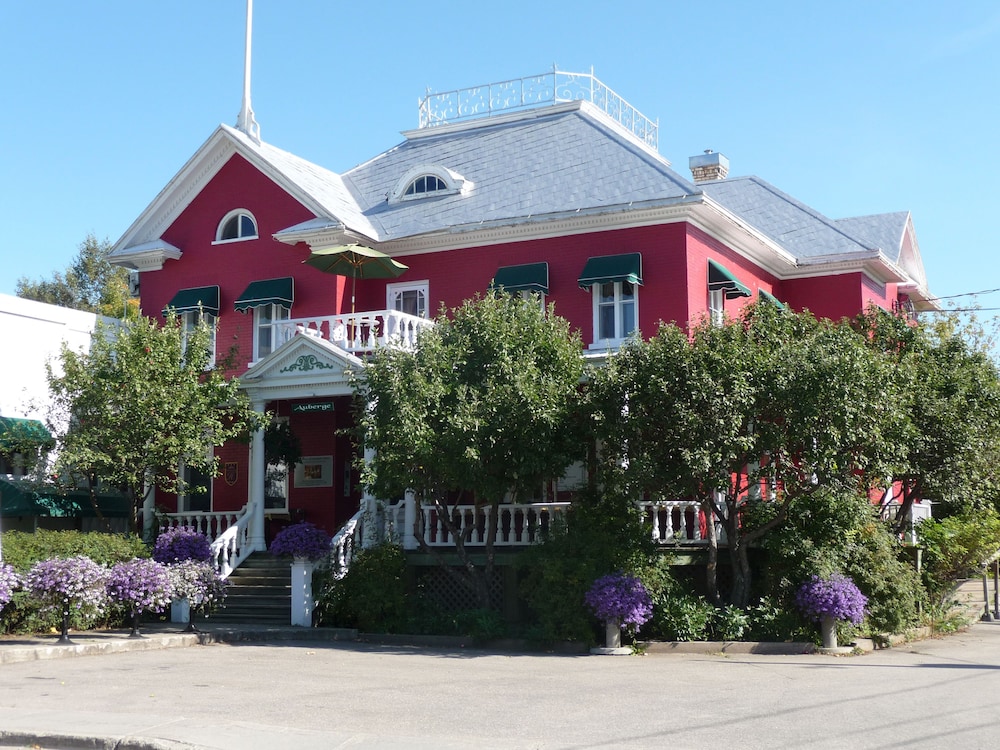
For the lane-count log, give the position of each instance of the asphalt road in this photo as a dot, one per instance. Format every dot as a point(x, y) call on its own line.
point(930, 694)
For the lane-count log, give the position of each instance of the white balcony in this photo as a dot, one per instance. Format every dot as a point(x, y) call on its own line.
point(357, 333)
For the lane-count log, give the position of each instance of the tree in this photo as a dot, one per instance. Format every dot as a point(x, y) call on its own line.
point(90, 283)
point(952, 402)
point(772, 406)
point(142, 402)
point(484, 409)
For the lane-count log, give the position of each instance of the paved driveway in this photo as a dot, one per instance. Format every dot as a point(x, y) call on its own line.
point(931, 694)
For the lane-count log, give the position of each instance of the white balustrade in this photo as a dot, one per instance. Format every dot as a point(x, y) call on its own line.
point(677, 521)
point(517, 523)
point(357, 332)
point(229, 531)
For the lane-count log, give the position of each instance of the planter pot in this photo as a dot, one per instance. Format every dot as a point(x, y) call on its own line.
point(180, 610)
point(828, 628)
point(612, 641)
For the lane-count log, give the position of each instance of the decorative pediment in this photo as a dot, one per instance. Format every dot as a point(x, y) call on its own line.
point(304, 367)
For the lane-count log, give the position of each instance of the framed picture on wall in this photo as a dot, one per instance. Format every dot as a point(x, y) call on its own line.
point(314, 471)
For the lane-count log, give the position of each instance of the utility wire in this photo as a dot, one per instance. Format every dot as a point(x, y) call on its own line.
point(967, 294)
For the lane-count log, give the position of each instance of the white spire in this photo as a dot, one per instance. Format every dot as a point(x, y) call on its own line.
point(246, 121)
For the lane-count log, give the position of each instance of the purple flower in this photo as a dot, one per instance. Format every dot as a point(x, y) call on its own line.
point(182, 543)
point(620, 597)
point(9, 580)
point(835, 597)
point(142, 585)
point(301, 540)
point(199, 583)
point(62, 584)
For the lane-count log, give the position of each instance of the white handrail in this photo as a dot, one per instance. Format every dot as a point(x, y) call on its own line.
point(345, 544)
point(229, 530)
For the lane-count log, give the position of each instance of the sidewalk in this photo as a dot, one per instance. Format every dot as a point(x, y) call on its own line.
point(154, 636)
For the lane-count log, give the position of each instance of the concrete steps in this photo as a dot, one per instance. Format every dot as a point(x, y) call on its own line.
point(260, 591)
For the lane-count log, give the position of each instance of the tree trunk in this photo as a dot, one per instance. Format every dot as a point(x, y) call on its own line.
point(739, 559)
point(712, 566)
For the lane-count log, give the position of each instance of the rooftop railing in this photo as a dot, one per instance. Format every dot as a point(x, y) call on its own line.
point(518, 94)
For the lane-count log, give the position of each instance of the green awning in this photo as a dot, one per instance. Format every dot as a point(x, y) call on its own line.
point(21, 498)
point(267, 292)
point(771, 298)
point(720, 277)
point(15, 432)
point(529, 277)
point(204, 298)
point(608, 268)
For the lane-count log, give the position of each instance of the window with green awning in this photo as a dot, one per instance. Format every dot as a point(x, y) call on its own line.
point(771, 298)
point(528, 277)
point(721, 278)
point(605, 269)
point(279, 292)
point(204, 298)
point(16, 434)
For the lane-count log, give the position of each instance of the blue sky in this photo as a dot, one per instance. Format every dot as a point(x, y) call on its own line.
point(854, 108)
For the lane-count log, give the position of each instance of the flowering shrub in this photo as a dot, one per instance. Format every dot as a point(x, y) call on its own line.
point(835, 597)
point(199, 583)
point(9, 580)
point(66, 583)
point(141, 585)
point(301, 540)
point(620, 597)
point(182, 543)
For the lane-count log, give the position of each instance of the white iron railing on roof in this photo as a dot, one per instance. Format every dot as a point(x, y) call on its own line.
point(523, 93)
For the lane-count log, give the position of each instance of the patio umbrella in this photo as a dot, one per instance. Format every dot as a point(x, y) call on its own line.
point(355, 261)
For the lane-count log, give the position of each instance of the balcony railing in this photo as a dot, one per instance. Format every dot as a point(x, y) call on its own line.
point(357, 333)
point(518, 94)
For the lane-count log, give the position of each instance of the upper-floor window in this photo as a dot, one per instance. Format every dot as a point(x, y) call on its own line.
point(722, 285)
point(426, 180)
point(425, 184)
point(238, 224)
point(409, 298)
point(271, 303)
point(614, 282)
point(193, 306)
point(529, 280)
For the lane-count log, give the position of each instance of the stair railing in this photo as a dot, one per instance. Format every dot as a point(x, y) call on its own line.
point(345, 544)
point(232, 546)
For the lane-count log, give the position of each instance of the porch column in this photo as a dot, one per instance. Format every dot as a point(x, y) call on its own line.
point(369, 507)
point(256, 489)
point(409, 520)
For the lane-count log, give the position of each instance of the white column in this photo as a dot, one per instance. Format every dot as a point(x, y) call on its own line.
point(369, 506)
point(302, 593)
point(409, 520)
point(256, 489)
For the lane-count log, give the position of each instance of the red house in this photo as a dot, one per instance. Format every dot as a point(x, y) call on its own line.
point(563, 193)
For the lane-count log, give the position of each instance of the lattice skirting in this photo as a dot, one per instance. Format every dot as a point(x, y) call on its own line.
point(451, 595)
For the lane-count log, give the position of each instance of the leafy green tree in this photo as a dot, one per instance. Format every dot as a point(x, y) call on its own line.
point(483, 410)
point(772, 406)
point(952, 402)
point(90, 283)
point(140, 403)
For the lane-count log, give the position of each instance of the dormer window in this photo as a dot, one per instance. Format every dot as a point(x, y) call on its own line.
point(237, 225)
point(424, 185)
point(428, 180)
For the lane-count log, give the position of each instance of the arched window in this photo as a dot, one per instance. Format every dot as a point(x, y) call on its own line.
point(426, 180)
point(237, 225)
point(424, 185)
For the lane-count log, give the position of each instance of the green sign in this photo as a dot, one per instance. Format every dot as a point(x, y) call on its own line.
point(307, 408)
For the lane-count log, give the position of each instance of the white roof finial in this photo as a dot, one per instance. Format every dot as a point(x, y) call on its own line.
point(246, 122)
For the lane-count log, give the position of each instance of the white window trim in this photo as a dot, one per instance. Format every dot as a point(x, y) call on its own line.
point(226, 218)
point(453, 180)
point(274, 325)
point(391, 290)
point(717, 306)
point(617, 341)
point(189, 319)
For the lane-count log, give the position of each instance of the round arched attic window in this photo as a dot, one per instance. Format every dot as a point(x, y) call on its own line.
point(237, 225)
point(428, 180)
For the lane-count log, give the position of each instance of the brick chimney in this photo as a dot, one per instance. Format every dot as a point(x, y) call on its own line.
point(708, 166)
